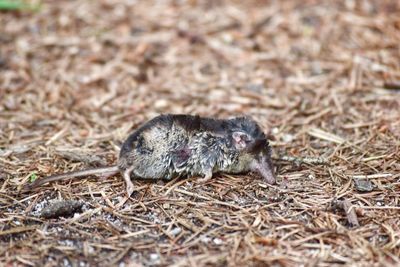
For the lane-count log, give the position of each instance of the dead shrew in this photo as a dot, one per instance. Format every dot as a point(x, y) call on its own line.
point(170, 146)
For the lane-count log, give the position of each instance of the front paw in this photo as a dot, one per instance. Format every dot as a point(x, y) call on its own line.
point(206, 178)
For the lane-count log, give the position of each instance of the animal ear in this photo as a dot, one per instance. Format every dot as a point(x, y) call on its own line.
point(241, 140)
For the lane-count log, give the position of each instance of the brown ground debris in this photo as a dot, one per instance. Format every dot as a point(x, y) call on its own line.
point(321, 77)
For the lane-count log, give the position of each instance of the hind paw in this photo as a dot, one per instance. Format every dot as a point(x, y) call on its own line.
point(129, 189)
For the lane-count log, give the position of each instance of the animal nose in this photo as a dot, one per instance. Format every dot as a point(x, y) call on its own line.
point(270, 177)
point(266, 170)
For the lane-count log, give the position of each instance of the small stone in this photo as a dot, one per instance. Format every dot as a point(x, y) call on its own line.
point(161, 104)
point(217, 241)
point(205, 239)
point(228, 38)
point(63, 208)
point(176, 231)
point(363, 185)
point(287, 138)
point(275, 131)
point(154, 257)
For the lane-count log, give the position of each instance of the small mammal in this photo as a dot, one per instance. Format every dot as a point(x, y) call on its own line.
point(170, 146)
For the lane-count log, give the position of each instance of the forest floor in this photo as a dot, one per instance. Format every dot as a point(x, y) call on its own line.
point(321, 77)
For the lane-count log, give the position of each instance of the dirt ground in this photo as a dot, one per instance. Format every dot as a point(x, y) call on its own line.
point(321, 78)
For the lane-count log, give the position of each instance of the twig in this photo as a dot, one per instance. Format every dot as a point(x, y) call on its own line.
point(16, 230)
point(349, 210)
point(350, 213)
point(298, 160)
point(80, 157)
point(372, 176)
point(57, 135)
point(392, 85)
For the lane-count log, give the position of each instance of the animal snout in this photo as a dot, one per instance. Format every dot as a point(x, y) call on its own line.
point(266, 170)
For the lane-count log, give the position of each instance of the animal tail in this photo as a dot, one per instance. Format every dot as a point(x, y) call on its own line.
point(69, 175)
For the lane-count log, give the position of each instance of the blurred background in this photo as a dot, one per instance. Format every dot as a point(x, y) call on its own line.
point(113, 63)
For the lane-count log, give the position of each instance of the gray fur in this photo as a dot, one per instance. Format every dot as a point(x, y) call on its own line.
point(170, 146)
point(157, 150)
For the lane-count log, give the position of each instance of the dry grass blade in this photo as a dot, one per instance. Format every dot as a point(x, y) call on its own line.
point(318, 133)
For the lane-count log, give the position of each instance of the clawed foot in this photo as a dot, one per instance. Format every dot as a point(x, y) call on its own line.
point(129, 188)
point(206, 178)
point(128, 182)
point(129, 191)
